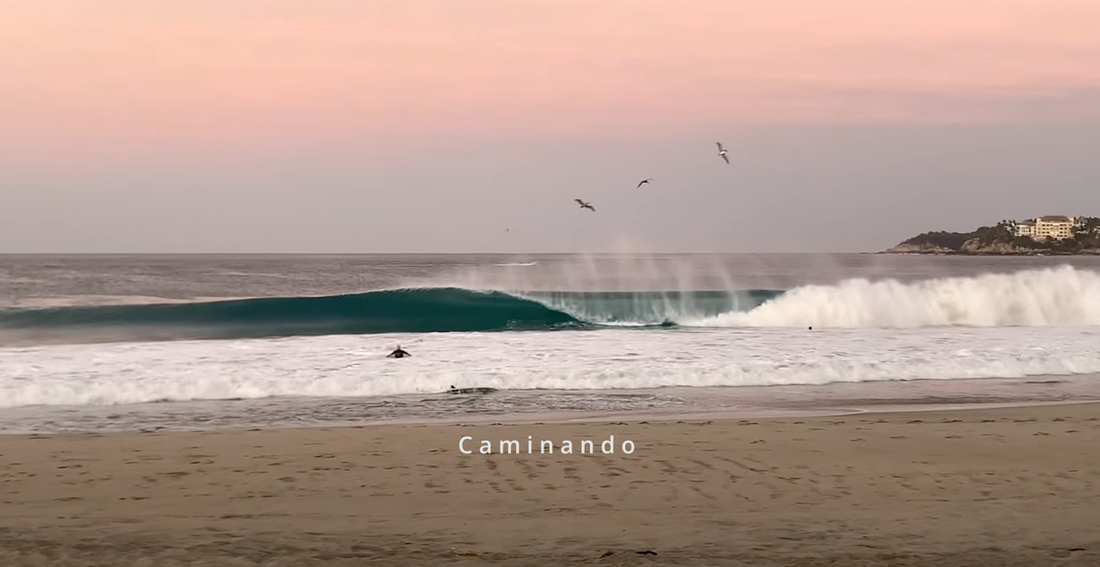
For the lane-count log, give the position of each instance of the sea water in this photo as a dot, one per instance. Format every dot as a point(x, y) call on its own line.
point(108, 343)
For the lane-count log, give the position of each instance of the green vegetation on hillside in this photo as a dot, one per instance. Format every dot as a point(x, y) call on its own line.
point(1086, 237)
point(940, 239)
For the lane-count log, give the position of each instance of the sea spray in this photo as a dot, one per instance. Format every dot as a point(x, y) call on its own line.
point(647, 308)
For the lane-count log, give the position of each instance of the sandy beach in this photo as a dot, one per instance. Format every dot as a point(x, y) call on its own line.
point(1004, 486)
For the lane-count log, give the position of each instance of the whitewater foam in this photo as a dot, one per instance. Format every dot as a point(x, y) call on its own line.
point(1062, 296)
point(342, 366)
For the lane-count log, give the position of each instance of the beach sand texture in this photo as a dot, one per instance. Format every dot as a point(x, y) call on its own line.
point(989, 487)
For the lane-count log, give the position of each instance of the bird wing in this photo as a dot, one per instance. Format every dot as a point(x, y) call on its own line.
point(719, 146)
point(725, 157)
point(579, 202)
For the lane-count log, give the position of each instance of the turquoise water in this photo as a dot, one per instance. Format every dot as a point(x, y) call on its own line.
point(302, 339)
point(423, 310)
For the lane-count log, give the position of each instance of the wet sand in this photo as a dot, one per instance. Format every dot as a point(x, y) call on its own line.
point(1004, 486)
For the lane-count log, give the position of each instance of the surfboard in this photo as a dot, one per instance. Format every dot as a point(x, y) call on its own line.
point(471, 390)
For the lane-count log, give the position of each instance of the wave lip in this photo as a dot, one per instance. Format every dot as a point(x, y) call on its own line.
point(387, 311)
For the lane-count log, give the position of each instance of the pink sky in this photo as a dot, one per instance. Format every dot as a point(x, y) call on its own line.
point(210, 73)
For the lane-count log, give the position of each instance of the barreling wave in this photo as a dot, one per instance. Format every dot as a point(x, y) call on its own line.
point(1063, 296)
point(387, 311)
point(422, 310)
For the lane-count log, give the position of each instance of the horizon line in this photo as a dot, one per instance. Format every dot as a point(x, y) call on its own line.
point(405, 253)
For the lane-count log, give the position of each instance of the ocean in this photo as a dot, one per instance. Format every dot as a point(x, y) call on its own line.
point(148, 343)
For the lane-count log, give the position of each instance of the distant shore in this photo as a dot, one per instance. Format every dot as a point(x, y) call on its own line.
point(906, 251)
point(993, 486)
point(1007, 238)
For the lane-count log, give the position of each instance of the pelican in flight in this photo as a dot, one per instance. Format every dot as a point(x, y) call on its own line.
point(644, 181)
point(585, 205)
point(722, 152)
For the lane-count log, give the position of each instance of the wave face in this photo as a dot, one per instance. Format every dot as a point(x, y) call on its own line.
point(1052, 297)
point(424, 310)
point(389, 311)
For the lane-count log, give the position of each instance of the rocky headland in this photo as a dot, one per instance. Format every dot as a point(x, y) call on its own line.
point(1002, 240)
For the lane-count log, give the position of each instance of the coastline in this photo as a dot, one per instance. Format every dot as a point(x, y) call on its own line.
point(1040, 236)
point(927, 485)
point(549, 406)
point(967, 253)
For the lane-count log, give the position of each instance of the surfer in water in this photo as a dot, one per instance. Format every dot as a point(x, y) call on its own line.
point(398, 353)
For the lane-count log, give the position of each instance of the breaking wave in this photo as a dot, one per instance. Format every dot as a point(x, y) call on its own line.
point(1053, 297)
point(1062, 296)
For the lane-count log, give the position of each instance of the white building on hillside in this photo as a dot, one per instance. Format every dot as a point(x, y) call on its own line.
point(1057, 227)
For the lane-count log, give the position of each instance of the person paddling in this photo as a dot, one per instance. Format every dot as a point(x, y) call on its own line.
point(398, 353)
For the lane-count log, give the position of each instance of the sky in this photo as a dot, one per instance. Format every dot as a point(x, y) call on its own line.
point(343, 126)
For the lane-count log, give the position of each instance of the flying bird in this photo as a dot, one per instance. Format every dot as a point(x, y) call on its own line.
point(585, 205)
point(722, 152)
point(644, 181)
